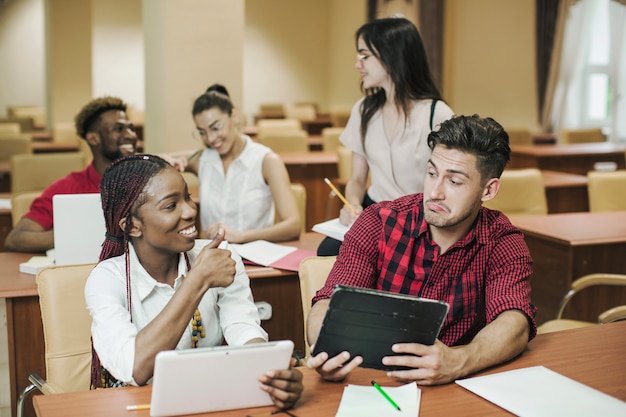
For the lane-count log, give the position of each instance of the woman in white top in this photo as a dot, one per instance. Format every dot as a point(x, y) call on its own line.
point(153, 291)
point(388, 129)
point(242, 183)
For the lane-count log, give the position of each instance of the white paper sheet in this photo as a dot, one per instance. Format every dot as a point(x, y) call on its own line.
point(262, 252)
point(538, 391)
point(363, 401)
point(332, 228)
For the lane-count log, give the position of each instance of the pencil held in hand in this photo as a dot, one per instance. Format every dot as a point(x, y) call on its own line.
point(338, 193)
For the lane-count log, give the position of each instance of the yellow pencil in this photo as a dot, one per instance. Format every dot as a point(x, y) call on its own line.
point(341, 197)
point(135, 407)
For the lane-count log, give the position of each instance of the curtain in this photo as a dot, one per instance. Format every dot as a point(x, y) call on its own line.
point(546, 12)
point(617, 20)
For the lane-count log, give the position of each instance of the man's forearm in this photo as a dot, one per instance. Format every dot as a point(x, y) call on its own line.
point(315, 320)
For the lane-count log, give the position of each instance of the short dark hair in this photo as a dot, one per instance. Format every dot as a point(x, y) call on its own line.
point(86, 120)
point(483, 137)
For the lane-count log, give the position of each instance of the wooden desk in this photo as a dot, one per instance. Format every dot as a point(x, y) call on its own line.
point(25, 332)
point(5, 176)
point(565, 192)
point(593, 356)
point(46, 147)
point(309, 169)
point(576, 158)
point(567, 246)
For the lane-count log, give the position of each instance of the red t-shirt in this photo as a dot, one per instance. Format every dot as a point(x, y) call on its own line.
point(79, 182)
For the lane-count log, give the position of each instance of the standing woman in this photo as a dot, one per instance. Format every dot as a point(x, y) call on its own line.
point(388, 128)
point(154, 291)
point(243, 184)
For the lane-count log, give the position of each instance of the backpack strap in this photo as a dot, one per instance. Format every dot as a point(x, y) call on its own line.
point(432, 112)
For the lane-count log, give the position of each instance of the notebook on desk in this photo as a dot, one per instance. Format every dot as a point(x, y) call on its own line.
point(214, 379)
point(78, 228)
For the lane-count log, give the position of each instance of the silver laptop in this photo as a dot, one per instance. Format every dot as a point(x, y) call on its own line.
point(214, 379)
point(78, 228)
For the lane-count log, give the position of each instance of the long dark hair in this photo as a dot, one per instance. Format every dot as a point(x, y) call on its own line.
point(398, 45)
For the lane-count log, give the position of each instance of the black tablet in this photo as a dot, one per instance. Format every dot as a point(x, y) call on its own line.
point(368, 322)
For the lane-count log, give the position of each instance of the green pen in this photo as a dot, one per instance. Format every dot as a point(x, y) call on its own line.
point(384, 394)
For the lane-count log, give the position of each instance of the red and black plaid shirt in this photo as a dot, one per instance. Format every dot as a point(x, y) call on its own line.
point(482, 275)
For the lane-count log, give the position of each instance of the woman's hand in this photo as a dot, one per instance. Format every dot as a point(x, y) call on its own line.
point(214, 265)
point(284, 387)
point(347, 216)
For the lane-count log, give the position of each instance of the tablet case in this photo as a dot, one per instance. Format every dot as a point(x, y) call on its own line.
point(368, 322)
point(217, 378)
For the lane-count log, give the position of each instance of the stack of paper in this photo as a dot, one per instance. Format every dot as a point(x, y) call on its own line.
point(36, 263)
point(262, 252)
point(359, 401)
point(331, 228)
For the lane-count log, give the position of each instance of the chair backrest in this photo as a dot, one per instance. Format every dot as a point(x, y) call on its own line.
point(10, 127)
point(330, 138)
point(20, 204)
point(299, 194)
point(344, 163)
point(280, 125)
point(339, 116)
point(292, 141)
point(27, 169)
point(272, 110)
point(65, 132)
point(37, 113)
point(569, 136)
point(26, 123)
point(606, 190)
point(312, 273)
point(521, 193)
point(520, 136)
point(66, 326)
point(14, 144)
point(301, 112)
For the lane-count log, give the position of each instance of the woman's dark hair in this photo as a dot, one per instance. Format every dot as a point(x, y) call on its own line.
point(483, 137)
point(215, 96)
point(396, 42)
point(122, 192)
point(218, 88)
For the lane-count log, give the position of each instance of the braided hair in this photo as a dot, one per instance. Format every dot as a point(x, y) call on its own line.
point(122, 193)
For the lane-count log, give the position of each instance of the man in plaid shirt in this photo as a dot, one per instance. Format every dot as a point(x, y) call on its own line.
point(445, 246)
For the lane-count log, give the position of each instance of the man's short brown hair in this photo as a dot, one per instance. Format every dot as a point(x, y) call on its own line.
point(85, 120)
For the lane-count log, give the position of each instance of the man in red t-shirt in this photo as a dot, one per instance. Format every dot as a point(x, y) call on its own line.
point(103, 123)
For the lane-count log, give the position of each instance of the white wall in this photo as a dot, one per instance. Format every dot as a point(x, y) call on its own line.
point(22, 72)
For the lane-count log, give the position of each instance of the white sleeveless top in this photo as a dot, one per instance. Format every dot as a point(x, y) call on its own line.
point(240, 198)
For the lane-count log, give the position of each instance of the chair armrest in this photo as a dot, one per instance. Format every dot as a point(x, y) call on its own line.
point(43, 385)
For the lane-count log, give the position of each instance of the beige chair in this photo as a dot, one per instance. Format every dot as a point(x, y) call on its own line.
point(20, 204)
point(301, 112)
point(330, 138)
point(65, 132)
point(33, 172)
point(26, 123)
point(37, 113)
point(613, 314)
point(292, 141)
point(271, 111)
point(9, 127)
point(344, 169)
point(559, 323)
point(66, 329)
point(606, 190)
point(312, 272)
point(299, 194)
point(521, 193)
point(520, 136)
point(569, 136)
point(278, 125)
point(193, 183)
point(14, 144)
point(339, 116)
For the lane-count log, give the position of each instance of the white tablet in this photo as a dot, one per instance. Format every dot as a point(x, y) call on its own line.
point(217, 378)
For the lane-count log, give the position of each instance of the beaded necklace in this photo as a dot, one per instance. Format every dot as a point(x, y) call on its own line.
point(197, 329)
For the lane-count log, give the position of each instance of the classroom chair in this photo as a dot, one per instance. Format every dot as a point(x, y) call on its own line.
point(26, 123)
point(519, 136)
point(66, 329)
point(34, 172)
point(339, 116)
point(271, 111)
point(613, 314)
point(20, 204)
point(569, 136)
point(330, 138)
point(606, 191)
point(10, 127)
point(312, 274)
point(521, 193)
point(344, 169)
point(65, 132)
point(14, 144)
point(301, 112)
point(278, 125)
point(299, 194)
point(559, 323)
point(291, 141)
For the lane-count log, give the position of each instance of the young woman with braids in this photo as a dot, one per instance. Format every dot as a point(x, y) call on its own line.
point(388, 128)
point(242, 183)
point(154, 291)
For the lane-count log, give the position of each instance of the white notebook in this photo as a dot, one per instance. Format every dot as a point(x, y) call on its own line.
point(331, 228)
point(540, 392)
